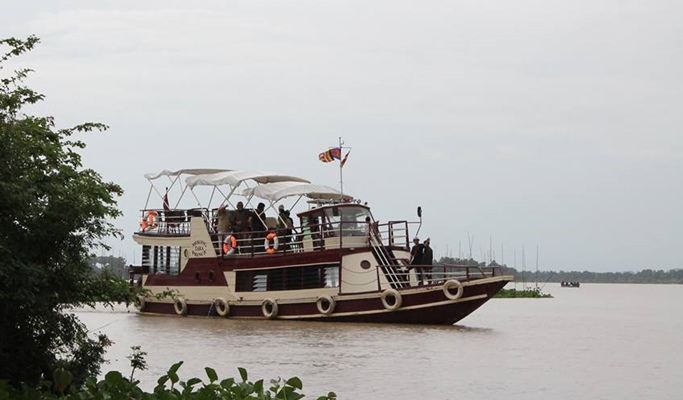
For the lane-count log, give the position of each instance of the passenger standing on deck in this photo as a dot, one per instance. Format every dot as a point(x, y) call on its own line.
point(368, 229)
point(284, 225)
point(427, 259)
point(258, 222)
point(223, 221)
point(240, 223)
point(416, 259)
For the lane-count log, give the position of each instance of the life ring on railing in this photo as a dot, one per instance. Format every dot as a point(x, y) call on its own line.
point(229, 245)
point(450, 284)
point(269, 308)
point(139, 302)
point(325, 304)
point(222, 307)
point(271, 243)
point(389, 294)
point(150, 221)
point(180, 306)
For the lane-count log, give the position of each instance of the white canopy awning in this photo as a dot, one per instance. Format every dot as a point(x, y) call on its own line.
point(277, 191)
point(197, 171)
point(235, 178)
point(267, 190)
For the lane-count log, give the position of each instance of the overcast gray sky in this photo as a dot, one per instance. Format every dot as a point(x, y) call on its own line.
point(529, 124)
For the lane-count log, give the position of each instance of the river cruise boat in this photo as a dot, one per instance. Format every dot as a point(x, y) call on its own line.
point(329, 261)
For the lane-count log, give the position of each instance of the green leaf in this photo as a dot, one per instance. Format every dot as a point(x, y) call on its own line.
point(173, 372)
point(243, 374)
point(174, 377)
point(258, 387)
point(175, 367)
point(193, 381)
point(228, 383)
point(162, 380)
point(295, 382)
point(211, 373)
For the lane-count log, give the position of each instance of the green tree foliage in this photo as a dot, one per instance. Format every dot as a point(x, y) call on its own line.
point(54, 214)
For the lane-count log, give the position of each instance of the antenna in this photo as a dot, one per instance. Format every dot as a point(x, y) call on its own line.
point(536, 267)
point(490, 249)
point(523, 269)
point(341, 168)
point(515, 264)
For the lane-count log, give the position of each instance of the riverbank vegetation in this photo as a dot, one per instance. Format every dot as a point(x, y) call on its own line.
point(643, 276)
point(169, 386)
point(530, 293)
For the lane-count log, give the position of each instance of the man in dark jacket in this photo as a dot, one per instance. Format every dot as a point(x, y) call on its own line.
point(416, 259)
point(427, 260)
point(258, 221)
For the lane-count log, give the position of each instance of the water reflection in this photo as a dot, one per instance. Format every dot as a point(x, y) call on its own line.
point(319, 352)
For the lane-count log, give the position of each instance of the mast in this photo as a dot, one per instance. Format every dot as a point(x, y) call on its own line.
point(341, 168)
point(536, 267)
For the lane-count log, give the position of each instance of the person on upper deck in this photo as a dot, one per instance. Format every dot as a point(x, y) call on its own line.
point(282, 218)
point(223, 226)
point(416, 259)
point(427, 260)
point(240, 221)
point(284, 224)
point(258, 221)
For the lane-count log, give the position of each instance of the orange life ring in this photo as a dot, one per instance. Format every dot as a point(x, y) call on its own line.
point(271, 243)
point(229, 245)
point(150, 221)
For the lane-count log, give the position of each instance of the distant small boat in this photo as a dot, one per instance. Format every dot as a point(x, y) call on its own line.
point(570, 284)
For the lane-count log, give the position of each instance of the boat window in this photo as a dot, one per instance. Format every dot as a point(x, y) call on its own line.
point(161, 259)
point(290, 278)
point(350, 219)
point(260, 283)
point(332, 276)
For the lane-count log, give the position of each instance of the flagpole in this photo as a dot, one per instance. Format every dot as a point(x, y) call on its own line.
point(341, 168)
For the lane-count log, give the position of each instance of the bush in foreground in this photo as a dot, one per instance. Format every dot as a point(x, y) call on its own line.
point(116, 386)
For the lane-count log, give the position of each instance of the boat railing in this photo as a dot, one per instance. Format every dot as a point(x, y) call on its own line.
point(466, 272)
point(404, 275)
point(312, 238)
point(257, 243)
point(164, 222)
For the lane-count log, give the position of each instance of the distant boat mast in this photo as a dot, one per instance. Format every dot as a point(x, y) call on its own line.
point(536, 267)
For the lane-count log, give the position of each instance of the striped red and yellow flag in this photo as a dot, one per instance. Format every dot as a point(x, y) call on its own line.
point(330, 155)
